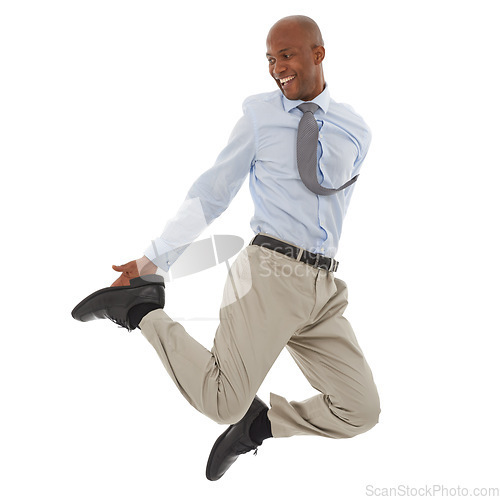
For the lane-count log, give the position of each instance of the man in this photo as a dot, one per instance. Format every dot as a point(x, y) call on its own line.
point(281, 290)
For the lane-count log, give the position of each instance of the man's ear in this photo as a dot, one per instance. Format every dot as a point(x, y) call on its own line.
point(319, 54)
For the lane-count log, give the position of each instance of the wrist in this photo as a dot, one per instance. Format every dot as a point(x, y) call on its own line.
point(145, 266)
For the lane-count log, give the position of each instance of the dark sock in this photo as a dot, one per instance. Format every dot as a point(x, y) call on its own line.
point(260, 428)
point(138, 312)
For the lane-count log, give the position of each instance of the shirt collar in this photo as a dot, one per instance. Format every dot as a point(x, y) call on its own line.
point(322, 100)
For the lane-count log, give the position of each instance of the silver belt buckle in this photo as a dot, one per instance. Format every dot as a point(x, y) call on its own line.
point(330, 268)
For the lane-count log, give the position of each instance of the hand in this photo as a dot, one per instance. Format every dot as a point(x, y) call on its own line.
point(134, 269)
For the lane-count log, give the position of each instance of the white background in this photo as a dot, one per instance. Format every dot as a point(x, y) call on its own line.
point(110, 110)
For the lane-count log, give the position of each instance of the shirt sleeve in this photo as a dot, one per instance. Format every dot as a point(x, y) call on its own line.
point(208, 197)
point(363, 151)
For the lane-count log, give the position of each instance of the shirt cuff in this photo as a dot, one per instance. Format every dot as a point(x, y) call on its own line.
point(162, 255)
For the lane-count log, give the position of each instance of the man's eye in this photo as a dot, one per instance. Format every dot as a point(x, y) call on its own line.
point(287, 56)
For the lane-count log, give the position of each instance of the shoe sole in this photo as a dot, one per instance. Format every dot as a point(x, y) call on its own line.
point(78, 312)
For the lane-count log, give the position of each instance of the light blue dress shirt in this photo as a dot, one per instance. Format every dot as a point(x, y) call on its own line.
point(263, 147)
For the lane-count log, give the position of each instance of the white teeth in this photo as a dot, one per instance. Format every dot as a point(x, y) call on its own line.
point(287, 79)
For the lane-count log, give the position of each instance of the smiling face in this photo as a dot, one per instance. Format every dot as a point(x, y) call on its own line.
point(295, 59)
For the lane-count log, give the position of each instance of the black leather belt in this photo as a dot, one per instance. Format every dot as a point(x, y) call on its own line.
point(313, 259)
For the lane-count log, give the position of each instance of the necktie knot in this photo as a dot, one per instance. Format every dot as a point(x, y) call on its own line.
point(308, 106)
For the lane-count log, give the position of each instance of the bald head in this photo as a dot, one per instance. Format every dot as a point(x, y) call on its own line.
point(295, 53)
point(303, 26)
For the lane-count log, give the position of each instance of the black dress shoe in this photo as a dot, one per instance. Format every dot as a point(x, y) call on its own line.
point(233, 442)
point(115, 302)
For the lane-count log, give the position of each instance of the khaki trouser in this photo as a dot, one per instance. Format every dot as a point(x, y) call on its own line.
point(271, 301)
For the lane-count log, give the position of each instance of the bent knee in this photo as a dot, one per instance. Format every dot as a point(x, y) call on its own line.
point(360, 416)
point(368, 416)
point(227, 412)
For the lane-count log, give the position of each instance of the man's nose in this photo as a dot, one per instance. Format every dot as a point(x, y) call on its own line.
point(279, 69)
